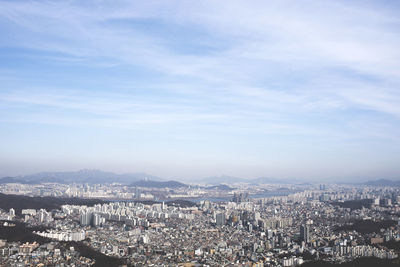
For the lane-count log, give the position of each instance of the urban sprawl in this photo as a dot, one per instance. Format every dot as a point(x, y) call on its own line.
point(223, 227)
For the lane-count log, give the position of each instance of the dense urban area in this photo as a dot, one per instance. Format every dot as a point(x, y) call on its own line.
point(55, 224)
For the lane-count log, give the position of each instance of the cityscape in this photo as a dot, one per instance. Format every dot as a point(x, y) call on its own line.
point(201, 225)
point(209, 133)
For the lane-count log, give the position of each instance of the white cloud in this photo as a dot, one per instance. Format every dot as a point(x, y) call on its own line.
point(329, 70)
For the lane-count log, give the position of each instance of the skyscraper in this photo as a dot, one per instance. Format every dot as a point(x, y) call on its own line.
point(86, 218)
point(138, 193)
point(220, 219)
point(96, 220)
point(305, 233)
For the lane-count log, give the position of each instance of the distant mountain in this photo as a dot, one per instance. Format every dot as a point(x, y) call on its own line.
point(383, 182)
point(11, 180)
point(221, 187)
point(224, 179)
point(267, 180)
point(157, 184)
point(82, 176)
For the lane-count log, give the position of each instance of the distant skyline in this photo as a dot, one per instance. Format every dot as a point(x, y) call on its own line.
point(191, 89)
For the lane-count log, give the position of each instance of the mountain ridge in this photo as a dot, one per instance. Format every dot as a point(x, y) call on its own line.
point(93, 176)
point(383, 182)
point(82, 176)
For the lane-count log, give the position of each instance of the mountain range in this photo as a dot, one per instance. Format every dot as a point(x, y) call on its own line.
point(134, 179)
point(146, 180)
point(383, 182)
point(81, 176)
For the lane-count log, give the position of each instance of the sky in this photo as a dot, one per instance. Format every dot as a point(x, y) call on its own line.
point(190, 89)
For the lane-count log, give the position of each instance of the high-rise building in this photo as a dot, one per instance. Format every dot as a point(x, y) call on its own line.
point(42, 215)
point(96, 220)
point(220, 219)
point(305, 233)
point(138, 193)
point(86, 218)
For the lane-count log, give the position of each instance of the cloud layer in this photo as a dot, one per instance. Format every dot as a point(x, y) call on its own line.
point(277, 88)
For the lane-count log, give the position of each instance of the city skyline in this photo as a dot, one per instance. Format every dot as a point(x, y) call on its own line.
point(188, 90)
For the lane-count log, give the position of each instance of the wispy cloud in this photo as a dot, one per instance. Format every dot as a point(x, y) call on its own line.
point(328, 70)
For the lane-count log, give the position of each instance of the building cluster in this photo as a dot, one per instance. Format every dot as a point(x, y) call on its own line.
point(14, 254)
point(63, 235)
point(313, 224)
point(117, 191)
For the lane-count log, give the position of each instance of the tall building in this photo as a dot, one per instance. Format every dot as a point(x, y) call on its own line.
point(138, 193)
point(305, 233)
point(42, 215)
point(96, 220)
point(220, 219)
point(86, 218)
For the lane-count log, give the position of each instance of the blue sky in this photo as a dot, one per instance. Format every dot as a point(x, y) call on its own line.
point(187, 89)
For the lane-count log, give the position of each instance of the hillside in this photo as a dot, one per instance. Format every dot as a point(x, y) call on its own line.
point(18, 202)
point(22, 233)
